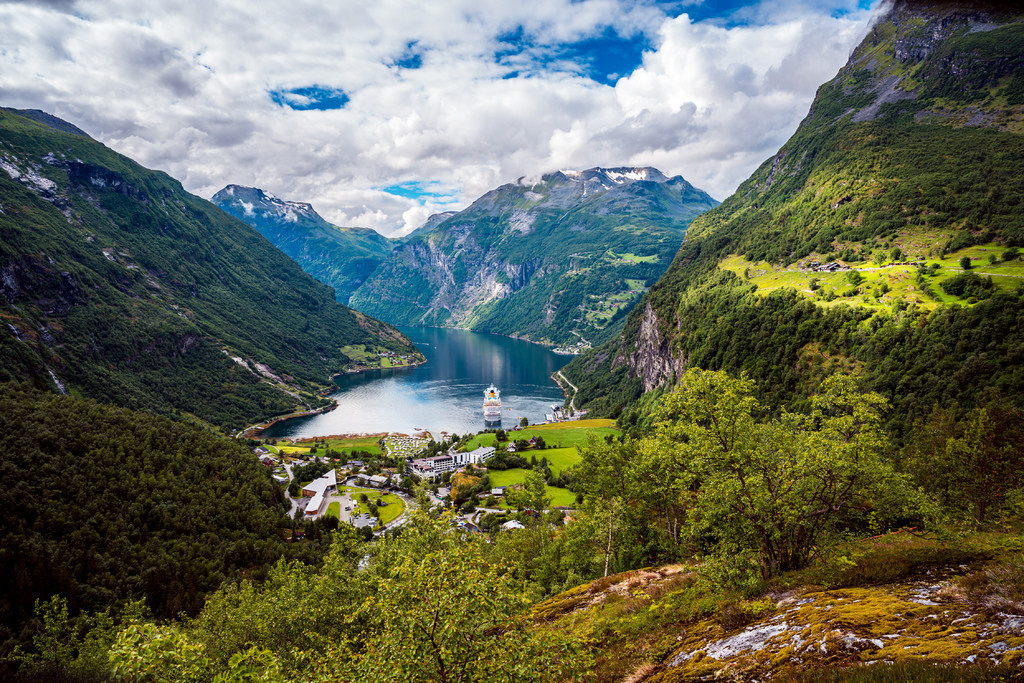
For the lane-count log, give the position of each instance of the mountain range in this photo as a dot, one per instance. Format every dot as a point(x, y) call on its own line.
point(558, 261)
point(340, 257)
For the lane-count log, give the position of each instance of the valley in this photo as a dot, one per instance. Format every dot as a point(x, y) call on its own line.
point(559, 261)
point(774, 438)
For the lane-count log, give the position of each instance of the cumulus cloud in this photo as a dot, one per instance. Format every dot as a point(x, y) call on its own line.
point(330, 102)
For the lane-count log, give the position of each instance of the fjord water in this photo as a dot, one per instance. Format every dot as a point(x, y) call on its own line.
point(446, 393)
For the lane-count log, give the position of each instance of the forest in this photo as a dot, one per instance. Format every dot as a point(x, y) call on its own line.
point(104, 506)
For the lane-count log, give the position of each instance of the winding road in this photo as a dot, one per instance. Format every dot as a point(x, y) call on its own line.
point(572, 401)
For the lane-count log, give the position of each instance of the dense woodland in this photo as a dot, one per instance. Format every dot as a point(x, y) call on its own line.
point(103, 506)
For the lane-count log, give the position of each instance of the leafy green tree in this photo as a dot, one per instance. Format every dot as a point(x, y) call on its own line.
point(441, 612)
point(971, 462)
point(777, 490)
point(602, 478)
point(147, 652)
point(965, 263)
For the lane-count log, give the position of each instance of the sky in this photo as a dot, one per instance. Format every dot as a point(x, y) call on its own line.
point(382, 112)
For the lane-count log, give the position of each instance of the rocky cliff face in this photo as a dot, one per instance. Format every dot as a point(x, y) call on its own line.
point(567, 256)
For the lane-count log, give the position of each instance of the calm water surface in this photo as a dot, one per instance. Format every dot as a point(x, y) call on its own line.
point(446, 393)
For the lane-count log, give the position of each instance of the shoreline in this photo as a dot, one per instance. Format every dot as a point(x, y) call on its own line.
point(254, 431)
point(549, 345)
point(359, 369)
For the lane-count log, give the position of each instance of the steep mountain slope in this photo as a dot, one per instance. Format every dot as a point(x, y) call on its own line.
point(561, 258)
point(119, 285)
point(340, 257)
point(847, 249)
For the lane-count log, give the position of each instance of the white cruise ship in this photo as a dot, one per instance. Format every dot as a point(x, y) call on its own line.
point(492, 404)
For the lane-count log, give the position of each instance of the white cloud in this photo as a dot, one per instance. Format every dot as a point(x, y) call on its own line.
point(185, 88)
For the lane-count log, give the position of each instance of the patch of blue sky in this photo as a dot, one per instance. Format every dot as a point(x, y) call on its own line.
point(411, 58)
point(732, 13)
point(603, 58)
point(312, 97)
point(423, 191)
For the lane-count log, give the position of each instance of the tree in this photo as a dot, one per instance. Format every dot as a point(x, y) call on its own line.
point(523, 422)
point(440, 611)
point(778, 489)
point(602, 476)
point(965, 263)
point(971, 462)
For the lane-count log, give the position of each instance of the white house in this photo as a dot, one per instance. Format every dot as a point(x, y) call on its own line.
point(319, 489)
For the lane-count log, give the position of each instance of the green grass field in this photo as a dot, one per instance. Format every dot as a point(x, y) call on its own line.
point(884, 284)
point(632, 258)
point(391, 511)
point(333, 510)
point(395, 507)
point(518, 476)
point(362, 443)
point(558, 458)
point(559, 434)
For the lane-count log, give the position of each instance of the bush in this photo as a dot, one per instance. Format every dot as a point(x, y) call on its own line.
point(966, 285)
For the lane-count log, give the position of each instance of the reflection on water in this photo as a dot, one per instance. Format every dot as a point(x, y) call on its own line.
point(445, 394)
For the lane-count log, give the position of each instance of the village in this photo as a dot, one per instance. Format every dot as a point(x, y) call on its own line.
point(374, 489)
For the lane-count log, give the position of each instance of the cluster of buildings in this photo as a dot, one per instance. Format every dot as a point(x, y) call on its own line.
point(830, 267)
point(560, 414)
point(433, 467)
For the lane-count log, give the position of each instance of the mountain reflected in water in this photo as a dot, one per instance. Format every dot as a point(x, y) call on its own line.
point(446, 393)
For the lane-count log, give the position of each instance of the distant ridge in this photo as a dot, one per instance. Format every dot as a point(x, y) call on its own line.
point(341, 257)
point(48, 120)
point(561, 260)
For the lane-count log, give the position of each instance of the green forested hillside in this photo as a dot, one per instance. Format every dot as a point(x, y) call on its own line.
point(337, 256)
point(102, 505)
point(557, 261)
point(907, 171)
point(119, 285)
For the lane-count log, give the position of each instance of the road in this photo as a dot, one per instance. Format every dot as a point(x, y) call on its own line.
point(572, 401)
point(295, 504)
